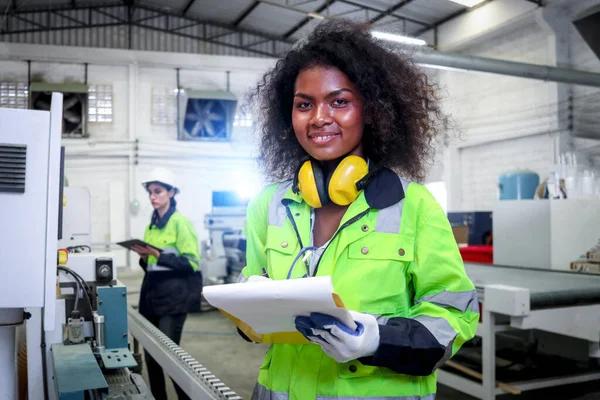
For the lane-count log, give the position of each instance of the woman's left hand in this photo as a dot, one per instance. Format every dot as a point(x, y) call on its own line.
point(146, 251)
point(337, 340)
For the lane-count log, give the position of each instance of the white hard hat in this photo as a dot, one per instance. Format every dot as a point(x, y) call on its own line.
point(162, 175)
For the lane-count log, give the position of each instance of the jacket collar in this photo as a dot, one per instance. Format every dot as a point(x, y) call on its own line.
point(382, 191)
point(161, 222)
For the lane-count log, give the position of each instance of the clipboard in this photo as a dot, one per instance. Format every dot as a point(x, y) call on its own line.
point(128, 244)
point(265, 311)
point(277, 337)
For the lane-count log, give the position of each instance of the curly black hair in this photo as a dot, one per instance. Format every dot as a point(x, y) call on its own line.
point(399, 99)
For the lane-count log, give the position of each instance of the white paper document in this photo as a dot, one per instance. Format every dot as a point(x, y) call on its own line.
point(272, 306)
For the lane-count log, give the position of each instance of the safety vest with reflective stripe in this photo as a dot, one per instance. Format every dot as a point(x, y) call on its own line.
point(399, 261)
point(177, 237)
point(173, 283)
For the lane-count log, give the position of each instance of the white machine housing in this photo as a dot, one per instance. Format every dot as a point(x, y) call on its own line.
point(28, 245)
point(77, 216)
point(546, 234)
point(85, 265)
point(28, 251)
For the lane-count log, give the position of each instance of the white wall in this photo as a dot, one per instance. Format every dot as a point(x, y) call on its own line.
point(105, 159)
point(508, 123)
point(503, 123)
point(587, 100)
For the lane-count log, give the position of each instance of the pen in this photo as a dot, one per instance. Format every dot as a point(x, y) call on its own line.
point(264, 273)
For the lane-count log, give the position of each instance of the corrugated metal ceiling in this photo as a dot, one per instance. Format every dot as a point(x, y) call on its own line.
point(281, 17)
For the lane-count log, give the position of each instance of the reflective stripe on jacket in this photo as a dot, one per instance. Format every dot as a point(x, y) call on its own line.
point(173, 282)
point(393, 256)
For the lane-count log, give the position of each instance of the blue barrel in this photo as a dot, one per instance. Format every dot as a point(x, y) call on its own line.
point(518, 185)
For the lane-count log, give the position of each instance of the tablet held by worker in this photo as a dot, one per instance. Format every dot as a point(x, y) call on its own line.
point(136, 244)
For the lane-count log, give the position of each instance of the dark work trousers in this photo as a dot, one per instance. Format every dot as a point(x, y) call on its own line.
point(172, 326)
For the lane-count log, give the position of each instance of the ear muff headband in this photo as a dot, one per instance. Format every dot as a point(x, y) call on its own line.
point(321, 182)
point(342, 187)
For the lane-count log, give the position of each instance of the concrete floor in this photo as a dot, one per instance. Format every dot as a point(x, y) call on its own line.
point(213, 341)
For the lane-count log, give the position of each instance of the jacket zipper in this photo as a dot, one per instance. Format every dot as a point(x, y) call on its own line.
point(344, 225)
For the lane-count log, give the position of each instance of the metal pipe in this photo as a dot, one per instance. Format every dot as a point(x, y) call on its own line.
point(99, 323)
point(503, 67)
point(29, 83)
point(178, 105)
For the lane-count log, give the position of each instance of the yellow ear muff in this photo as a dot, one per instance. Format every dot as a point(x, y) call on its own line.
point(342, 184)
point(307, 185)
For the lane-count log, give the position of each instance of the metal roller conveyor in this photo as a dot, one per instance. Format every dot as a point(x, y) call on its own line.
point(190, 375)
point(562, 304)
point(547, 288)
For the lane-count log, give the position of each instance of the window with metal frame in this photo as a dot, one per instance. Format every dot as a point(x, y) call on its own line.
point(100, 103)
point(14, 95)
point(164, 105)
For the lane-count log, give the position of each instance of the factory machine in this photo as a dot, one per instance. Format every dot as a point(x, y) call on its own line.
point(65, 323)
point(540, 321)
point(224, 256)
point(538, 329)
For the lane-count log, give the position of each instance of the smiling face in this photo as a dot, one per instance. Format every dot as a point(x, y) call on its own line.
point(327, 115)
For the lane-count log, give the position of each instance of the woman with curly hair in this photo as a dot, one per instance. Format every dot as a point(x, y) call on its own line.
point(346, 125)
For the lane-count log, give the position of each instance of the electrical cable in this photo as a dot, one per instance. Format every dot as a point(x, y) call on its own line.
point(76, 306)
point(79, 280)
point(87, 289)
point(76, 275)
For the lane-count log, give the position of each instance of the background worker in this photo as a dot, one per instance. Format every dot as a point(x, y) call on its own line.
point(172, 284)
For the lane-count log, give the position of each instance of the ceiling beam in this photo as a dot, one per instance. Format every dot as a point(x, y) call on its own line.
point(219, 24)
point(399, 17)
point(306, 20)
point(390, 11)
point(245, 13)
point(183, 22)
point(187, 7)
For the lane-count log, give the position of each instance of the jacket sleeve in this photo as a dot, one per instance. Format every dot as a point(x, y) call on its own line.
point(257, 222)
point(143, 264)
point(255, 229)
point(188, 258)
point(445, 309)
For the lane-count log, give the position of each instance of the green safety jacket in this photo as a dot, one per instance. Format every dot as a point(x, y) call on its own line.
point(173, 282)
point(393, 256)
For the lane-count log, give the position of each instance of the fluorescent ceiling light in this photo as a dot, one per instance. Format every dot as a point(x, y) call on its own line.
point(315, 15)
point(398, 38)
point(468, 3)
